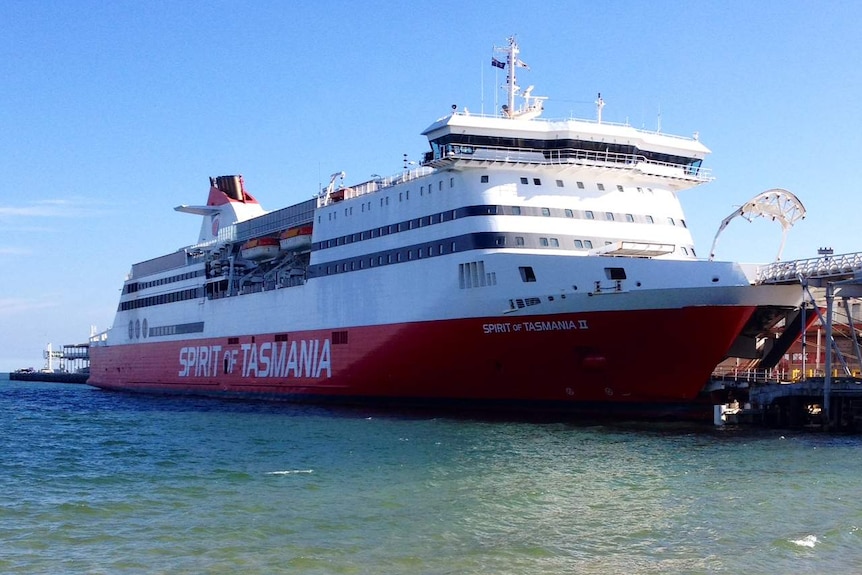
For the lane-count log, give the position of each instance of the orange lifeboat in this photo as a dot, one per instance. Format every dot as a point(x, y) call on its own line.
point(260, 249)
point(297, 238)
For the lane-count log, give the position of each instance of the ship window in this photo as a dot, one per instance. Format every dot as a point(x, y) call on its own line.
point(601, 187)
point(527, 274)
point(439, 185)
point(579, 244)
point(407, 195)
point(588, 244)
point(692, 252)
point(684, 250)
point(525, 181)
point(484, 179)
point(650, 220)
point(451, 182)
point(589, 215)
point(682, 223)
point(430, 251)
point(609, 216)
point(453, 247)
point(500, 240)
point(569, 213)
point(640, 190)
point(555, 243)
point(400, 196)
point(537, 181)
point(543, 242)
point(519, 240)
point(440, 249)
point(580, 185)
point(559, 183)
point(131, 329)
point(516, 210)
point(615, 273)
point(671, 222)
point(630, 218)
point(546, 211)
point(619, 188)
point(409, 254)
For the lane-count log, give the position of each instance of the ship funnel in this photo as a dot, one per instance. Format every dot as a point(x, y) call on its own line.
point(230, 185)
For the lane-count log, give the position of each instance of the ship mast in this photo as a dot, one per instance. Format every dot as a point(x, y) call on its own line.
point(532, 104)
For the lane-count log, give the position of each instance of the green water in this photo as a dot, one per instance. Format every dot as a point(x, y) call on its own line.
point(100, 482)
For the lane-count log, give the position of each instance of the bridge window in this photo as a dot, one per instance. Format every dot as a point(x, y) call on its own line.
point(589, 215)
point(560, 183)
point(555, 243)
point(630, 218)
point(569, 213)
point(519, 240)
point(588, 244)
point(546, 211)
point(516, 210)
point(579, 244)
point(543, 242)
point(537, 181)
point(650, 220)
point(609, 216)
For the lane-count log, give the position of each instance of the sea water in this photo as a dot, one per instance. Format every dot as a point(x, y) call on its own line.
point(104, 482)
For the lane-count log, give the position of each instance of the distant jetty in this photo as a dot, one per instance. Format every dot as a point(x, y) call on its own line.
point(74, 366)
point(55, 377)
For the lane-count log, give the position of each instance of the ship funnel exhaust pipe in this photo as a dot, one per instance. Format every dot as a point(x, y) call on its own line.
point(231, 186)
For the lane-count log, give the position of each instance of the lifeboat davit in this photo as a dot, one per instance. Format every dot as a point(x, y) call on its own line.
point(260, 249)
point(298, 238)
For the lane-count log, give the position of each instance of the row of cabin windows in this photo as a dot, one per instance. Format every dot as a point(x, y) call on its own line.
point(137, 286)
point(392, 258)
point(485, 179)
point(449, 215)
point(405, 195)
point(171, 297)
point(384, 201)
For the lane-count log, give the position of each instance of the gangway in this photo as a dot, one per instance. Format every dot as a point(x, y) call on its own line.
point(823, 278)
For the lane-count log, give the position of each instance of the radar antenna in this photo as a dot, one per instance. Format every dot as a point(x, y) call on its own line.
point(777, 204)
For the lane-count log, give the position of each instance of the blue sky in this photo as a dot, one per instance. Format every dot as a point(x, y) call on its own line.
point(115, 112)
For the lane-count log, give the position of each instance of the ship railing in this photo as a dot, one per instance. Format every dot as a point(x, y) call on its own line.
point(592, 121)
point(375, 184)
point(567, 156)
point(744, 375)
point(829, 266)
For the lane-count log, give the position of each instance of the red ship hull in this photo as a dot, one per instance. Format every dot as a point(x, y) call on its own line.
point(577, 362)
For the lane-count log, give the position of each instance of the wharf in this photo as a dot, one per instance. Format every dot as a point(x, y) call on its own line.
point(798, 405)
point(55, 377)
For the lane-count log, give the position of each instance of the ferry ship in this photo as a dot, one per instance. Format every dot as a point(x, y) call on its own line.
point(523, 263)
